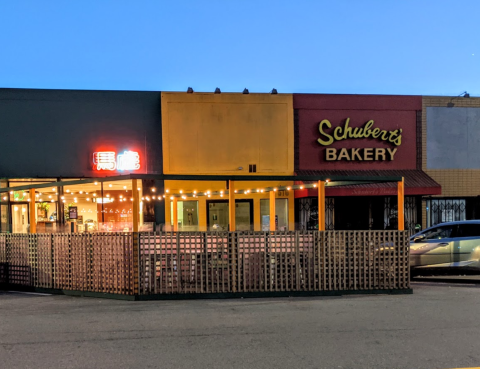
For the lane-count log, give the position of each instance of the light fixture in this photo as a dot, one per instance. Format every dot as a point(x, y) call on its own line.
point(274, 91)
point(80, 192)
point(53, 189)
point(11, 192)
point(301, 187)
point(154, 189)
point(181, 191)
point(68, 191)
point(110, 185)
point(189, 90)
point(124, 187)
point(167, 190)
point(289, 188)
point(275, 189)
point(171, 197)
point(108, 195)
point(245, 91)
point(95, 183)
point(217, 91)
point(88, 198)
point(450, 104)
point(94, 194)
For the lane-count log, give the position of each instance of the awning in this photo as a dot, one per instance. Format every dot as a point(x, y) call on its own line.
point(417, 182)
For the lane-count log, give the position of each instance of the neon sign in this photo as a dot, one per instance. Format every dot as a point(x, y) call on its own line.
point(109, 160)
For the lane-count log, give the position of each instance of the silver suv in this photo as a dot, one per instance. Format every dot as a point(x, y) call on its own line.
point(447, 245)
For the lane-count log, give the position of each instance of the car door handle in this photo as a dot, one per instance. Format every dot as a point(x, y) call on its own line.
point(443, 244)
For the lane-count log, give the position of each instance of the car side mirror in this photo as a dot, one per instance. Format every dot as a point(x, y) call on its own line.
point(419, 238)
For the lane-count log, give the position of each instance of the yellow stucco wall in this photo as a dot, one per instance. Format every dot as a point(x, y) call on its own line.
point(206, 133)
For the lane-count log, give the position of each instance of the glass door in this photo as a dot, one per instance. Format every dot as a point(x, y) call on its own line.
point(20, 222)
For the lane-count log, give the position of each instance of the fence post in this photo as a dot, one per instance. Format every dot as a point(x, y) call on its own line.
point(52, 261)
point(233, 254)
point(136, 280)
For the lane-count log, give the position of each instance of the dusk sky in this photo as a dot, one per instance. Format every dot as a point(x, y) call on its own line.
point(425, 47)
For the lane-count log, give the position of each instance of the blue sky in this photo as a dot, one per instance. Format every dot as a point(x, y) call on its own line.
point(429, 47)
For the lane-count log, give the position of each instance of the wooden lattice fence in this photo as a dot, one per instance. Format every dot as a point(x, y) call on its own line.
point(207, 262)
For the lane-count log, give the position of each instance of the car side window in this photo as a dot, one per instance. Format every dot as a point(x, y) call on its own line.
point(438, 233)
point(468, 230)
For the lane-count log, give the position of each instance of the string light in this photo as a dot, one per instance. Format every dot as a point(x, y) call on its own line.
point(153, 189)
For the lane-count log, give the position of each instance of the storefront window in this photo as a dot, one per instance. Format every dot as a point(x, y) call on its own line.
point(445, 210)
point(187, 213)
point(281, 214)
point(46, 207)
point(217, 215)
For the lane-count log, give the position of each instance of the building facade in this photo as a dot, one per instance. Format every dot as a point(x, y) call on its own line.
point(75, 160)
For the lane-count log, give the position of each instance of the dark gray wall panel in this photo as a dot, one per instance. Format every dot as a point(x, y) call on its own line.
point(53, 133)
point(453, 138)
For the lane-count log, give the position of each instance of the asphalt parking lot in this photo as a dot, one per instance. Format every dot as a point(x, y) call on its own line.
point(436, 327)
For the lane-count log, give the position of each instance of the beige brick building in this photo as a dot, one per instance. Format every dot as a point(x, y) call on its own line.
point(450, 131)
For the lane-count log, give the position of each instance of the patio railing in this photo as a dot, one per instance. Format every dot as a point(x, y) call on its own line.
point(154, 263)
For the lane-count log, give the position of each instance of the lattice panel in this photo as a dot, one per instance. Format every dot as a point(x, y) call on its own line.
point(42, 245)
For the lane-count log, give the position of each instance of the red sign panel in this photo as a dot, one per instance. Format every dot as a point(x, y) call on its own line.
point(354, 132)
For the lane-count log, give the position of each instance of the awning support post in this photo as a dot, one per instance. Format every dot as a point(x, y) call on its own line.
point(272, 212)
point(401, 205)
point(231, 206)
point(321, 205)
point(33, 221)
point(135, 205)
point(175, 214)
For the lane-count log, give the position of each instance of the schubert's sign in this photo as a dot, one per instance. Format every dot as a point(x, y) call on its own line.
point(346, 132)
